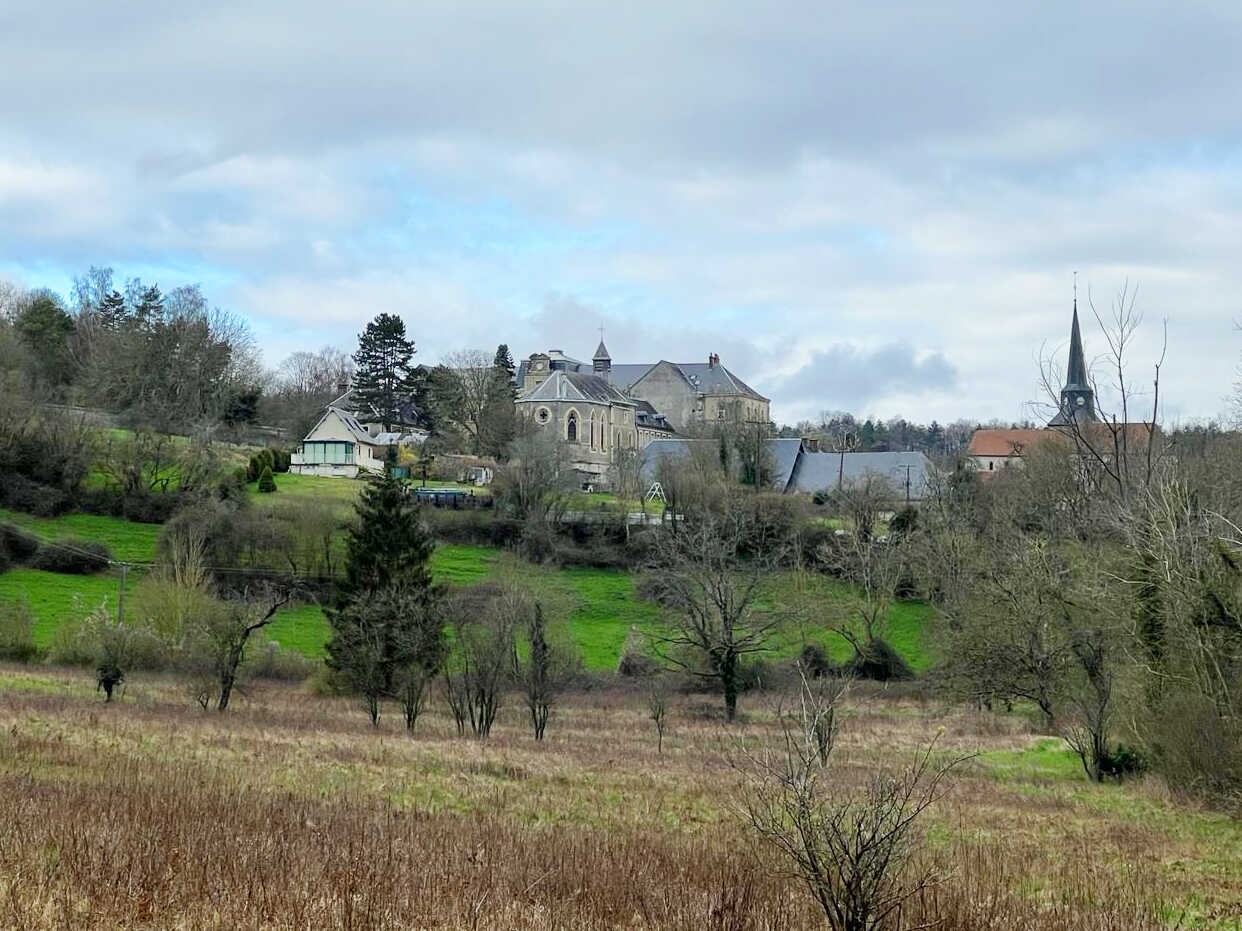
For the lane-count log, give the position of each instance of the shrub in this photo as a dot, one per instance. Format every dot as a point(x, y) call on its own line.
point(19, 546)
point(72, 557)
point(271, 662)
point(267, 484)
point(879, 661)
point(17, 634)
point(281, 459)
point(22, 494)
point(1122, 761)
point(814, 661)
point(635, 661)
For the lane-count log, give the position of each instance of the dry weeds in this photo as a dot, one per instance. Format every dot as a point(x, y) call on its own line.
point(291, 812)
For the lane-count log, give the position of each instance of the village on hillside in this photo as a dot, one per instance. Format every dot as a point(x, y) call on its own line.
point(633, 466)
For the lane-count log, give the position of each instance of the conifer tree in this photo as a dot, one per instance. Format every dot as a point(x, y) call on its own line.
point(384, 378)
point(505, 370)
point(387, 600)
point(150, 305)
point(111, 310)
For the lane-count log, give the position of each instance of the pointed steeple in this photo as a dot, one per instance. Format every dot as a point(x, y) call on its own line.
point(1077, 396)
point(602, 361)
point(1076, 372)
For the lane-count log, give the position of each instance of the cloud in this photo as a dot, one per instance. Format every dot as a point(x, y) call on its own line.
point(852, 378)
point(820, 199)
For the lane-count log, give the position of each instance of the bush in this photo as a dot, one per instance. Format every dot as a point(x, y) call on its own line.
point(72, 557)
point(267, 484)
point(18, 546)
point(17, 634)
point(814, 661)
point(281, 459)
point(271, 662)
point(879, 661)
point(1123, 761)
point(635, 661)
point(22, 494)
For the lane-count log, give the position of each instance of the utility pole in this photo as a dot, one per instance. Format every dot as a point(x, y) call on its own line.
point(120, 600)
point(843, 443)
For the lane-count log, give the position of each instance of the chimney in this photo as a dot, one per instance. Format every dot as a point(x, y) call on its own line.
point(713, 360)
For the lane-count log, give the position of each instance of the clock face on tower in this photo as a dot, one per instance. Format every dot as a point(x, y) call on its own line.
point(1081, 401)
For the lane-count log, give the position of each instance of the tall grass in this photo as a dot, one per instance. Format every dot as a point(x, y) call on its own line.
point(293, 813)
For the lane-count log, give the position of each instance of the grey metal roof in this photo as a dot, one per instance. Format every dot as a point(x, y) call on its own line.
point(783, 454)
point(820, 471)
point(657, 451)
point(576, 386)
point(601, 352)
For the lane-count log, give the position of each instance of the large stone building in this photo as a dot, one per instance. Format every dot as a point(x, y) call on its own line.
point(600, 408)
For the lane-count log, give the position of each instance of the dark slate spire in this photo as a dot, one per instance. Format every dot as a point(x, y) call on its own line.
point(1077, 397)
point(602, 361)
point(1076, 373)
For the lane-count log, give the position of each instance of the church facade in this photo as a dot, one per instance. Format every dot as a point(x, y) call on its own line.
point(602, 410)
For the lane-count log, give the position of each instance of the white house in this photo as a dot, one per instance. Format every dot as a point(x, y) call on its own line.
point(341, 444)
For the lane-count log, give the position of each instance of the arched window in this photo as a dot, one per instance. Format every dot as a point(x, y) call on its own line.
point(571, 427)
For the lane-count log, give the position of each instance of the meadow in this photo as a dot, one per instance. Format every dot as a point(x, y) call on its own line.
point(290, 811)
point(596, 608)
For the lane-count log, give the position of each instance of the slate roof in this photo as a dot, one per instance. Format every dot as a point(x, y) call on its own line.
point(647, 417)
point(716, 379)
point(782, 453)
point(821, 471)
point(703, 378)
point(348, 402)
point(577, 386)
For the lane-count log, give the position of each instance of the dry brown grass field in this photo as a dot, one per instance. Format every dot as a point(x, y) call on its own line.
point(291, 812)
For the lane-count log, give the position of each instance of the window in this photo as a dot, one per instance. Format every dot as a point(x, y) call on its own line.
point(571, 427)
point(330, 452)
point(543, 415)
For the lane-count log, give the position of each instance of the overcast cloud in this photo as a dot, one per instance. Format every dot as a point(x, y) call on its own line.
point(867, 208)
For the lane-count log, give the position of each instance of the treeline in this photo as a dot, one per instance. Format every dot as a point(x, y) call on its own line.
point(165, 361)
point(871, 435)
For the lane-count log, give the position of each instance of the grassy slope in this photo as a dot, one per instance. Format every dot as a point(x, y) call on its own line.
point(599, 606)
point(54, 598)
point(128, 541)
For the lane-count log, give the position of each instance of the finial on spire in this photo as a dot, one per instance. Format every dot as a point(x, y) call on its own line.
point(1075, 290)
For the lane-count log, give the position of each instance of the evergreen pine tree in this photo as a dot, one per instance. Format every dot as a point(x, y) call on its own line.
point(388, 543)
point(384, 378)
point(506, 372)
point(266, 482)
point(386, 598)
point(150, 305)
point(112, 310)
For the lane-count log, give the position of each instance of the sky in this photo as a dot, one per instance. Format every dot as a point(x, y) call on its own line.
point(873, 207)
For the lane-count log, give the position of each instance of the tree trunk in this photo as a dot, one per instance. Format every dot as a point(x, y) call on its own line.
point(728, 682)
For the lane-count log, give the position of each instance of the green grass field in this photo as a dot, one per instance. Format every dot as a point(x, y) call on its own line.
point(597, 607)
point(54, 599)
point(128, 541)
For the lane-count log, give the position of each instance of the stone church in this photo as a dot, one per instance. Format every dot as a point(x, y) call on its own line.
point(601, 409)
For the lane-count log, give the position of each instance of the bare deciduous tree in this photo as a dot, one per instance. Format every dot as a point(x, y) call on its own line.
point(547, 668)
point(855, 851)
point(709, 572)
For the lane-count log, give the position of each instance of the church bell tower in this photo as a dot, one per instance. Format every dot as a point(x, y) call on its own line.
point(1077, 397)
